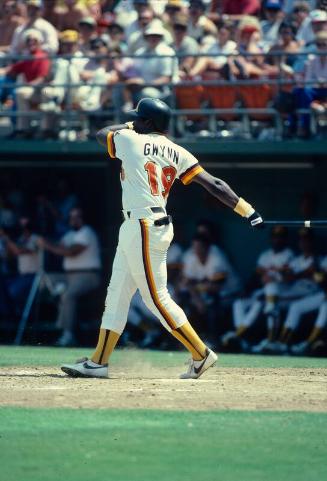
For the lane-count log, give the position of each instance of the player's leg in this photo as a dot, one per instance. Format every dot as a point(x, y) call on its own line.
point(119, 294)
point(296, 310)
point(148, 265)
point(120, 291)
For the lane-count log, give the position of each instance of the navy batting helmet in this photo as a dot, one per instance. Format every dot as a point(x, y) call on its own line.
point(155, 110)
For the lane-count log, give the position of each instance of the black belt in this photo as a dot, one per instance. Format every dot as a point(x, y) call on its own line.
point(155, 210)
point(164, 220)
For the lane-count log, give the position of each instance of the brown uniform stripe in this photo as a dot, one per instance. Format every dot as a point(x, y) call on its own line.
point(104, 345)
point(111, 145)
point(181, 333)
point(149, 275)
point(191, 172)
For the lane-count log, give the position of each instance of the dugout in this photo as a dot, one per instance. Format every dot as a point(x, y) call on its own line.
point(273, 176)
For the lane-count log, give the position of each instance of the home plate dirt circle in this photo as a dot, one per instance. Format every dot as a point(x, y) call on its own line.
point(143, 386)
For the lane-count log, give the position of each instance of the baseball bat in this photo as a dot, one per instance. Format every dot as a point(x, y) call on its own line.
point(298, 223)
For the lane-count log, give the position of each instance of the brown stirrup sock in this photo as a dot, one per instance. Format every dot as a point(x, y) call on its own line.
point(106, 344)
point(189, 338)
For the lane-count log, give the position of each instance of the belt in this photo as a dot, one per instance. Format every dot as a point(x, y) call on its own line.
point(163, 220)
point(128, 214)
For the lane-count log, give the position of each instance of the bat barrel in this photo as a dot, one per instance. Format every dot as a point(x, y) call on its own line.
point(298, 223)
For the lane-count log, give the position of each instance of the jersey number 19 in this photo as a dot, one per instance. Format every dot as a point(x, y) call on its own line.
point(168, 175)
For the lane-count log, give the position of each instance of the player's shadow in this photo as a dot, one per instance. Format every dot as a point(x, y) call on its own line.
point(34, 375)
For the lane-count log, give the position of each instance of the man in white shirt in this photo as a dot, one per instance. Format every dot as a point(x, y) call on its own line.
point(80, 251)
point(35, 21)
point(155, 64)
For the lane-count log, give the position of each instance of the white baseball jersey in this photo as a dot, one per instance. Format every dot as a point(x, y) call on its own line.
point(300, 264)
point(216, 267)
point(150, 165)
point(270, 259)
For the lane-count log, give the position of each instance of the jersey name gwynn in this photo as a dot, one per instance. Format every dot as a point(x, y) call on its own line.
point(150, 165)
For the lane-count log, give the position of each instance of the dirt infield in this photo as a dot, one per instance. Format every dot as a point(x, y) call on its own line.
point(144, 386)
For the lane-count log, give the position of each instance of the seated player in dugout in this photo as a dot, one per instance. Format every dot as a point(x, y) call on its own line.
point(150, 163)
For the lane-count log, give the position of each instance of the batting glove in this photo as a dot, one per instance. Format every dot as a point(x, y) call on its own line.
point(256, 220)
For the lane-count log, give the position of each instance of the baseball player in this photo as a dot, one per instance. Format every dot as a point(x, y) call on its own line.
point(150, 164)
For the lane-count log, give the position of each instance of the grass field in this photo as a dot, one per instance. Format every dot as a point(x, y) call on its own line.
point(52, 444)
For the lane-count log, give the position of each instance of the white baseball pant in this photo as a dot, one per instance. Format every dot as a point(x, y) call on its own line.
point(140, 263)
point(303, 306)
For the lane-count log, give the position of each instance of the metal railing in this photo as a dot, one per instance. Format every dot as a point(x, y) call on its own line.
point(71, 115)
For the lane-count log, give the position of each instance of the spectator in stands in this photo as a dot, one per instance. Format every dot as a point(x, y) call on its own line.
point(80, 251)
point(270, 26)
point(286, 43)
point(200, 27)
point(222, 46)
point(155, 70)
point(96, 77)
point(184, 44)
point(117, 37)
point(316, 73)
point(70, 16)
point(130, 19)
point(88, 32)
point(135, 39)
point(173, 8)
point(28, 264)
point(50, 13)
point(9, 21)
point(236, 8)
point(64, 72)
point(299, 16)
point(35, 72)
point(314, 23)
point(49, 37)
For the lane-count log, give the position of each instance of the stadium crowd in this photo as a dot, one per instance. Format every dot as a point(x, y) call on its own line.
point(266, 313)
point(92, 60)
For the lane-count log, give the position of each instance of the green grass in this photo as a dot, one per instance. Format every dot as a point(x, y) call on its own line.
point(126, 445)
point(48, 356)
point(93, 445)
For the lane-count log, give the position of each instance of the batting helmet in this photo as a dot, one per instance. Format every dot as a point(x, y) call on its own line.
point(155, 110)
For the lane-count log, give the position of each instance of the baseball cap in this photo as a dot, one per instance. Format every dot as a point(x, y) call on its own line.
point(155, 28)
point(318, 16)
point(32, 33)
point(98, 42)
point(87, 21)
point(273, 5)
point(175, 4)
point(69, 36)
point(34, 3)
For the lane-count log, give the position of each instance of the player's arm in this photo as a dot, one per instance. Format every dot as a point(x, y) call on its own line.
point(102, 135)
point(223, 192)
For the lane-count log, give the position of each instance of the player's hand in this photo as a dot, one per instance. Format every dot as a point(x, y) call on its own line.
point(255, 220)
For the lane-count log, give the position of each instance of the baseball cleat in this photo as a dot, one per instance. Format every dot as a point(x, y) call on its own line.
point(197, 368)
point(85, 368)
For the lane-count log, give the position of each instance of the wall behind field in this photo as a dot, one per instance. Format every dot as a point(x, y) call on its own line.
point(276, 193)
